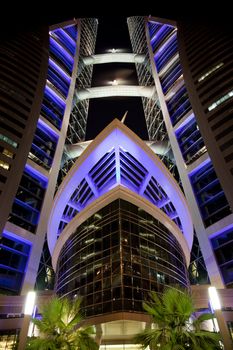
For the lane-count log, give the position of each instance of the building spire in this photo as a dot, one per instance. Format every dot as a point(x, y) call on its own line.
point(124, 116)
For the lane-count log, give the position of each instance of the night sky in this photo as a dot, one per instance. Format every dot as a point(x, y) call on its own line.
point(113, 33)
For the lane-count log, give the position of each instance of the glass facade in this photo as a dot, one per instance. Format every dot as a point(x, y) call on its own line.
point(43, 146)
point(45, 274)
point(28, 201)
point(13, 263)
point(116, 257)
point(61, 59)
point(223, 249)
point(210, 197)
point(211, 200)
point(9, 339)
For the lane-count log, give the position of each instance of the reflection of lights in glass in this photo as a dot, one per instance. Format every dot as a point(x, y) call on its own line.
point(7, 153)
point(89, 240)
point(148, 235)
point(4, 165)
point(92, 227)
point(220, 100)
point(97, 216)
point(114, 82)
point(88, 256)
point(210, 71)
point(145, 221)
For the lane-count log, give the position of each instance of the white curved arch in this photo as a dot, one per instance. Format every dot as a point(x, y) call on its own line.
point(114, 57)
point(117, 90)
point(117, 143)
point(119, 192)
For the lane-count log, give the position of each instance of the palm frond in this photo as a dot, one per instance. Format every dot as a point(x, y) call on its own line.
point(171, 312)
point(60, 327)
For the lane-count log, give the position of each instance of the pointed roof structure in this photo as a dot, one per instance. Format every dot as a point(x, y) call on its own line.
point(118, 163)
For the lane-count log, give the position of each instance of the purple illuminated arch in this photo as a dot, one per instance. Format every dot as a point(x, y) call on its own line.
point(118, 157)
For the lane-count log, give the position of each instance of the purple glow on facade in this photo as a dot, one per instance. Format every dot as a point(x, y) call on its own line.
point(47, 128)
point(16, 237)
point(35, 173)
point(163, 47)
point(194, 171)
point(178, 126)
point(68, 38)
point(55, 96)
point(62, 50)
point(159, 33)
point(118, 139)
point(60, 70)
point(221, 231)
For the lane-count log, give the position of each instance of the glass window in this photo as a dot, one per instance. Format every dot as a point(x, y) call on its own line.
point(119, 267)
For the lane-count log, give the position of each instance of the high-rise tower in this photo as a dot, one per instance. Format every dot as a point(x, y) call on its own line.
point(36, 103)
point(176, 56)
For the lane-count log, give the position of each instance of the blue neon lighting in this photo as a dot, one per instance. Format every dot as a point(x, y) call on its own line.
point(16, 238)
point(61, 53)
point(36, 174)
point(211, 199)
point(15, 253)
point(57, 82)
point(169, 78)
point(61, 71)
point(72, 31)
point(65, 39)
point(166, 52)
point(160, 36)
point(46, 128)
point(55, 97)
point(153, 28)
point(51, 116)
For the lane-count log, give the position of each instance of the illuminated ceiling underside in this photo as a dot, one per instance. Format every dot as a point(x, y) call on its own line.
point(118, 157)
point(114, 57)
point(117, 90)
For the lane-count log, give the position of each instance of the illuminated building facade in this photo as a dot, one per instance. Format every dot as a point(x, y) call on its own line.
point(119, 228)
point(31, 151)
point(185, 69)
point(119, 225)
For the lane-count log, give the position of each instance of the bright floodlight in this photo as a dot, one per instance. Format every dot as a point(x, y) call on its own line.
point(114, 82)
point(29, 304)
point(214, 299)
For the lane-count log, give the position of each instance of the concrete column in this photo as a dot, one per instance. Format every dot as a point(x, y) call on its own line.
point(98, 334)
point(224, 331)
point(24, 332)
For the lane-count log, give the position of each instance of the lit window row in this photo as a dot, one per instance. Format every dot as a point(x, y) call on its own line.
point(7, 153)
point(4, 165)
point(8, 140)
point(221, 100)
point(210, 71)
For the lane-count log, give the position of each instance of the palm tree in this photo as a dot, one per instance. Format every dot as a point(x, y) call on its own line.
point(60, 327)
point(175, 326)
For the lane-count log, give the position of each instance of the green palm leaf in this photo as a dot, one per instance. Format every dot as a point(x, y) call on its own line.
point(61, 327)
point(177, 328)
